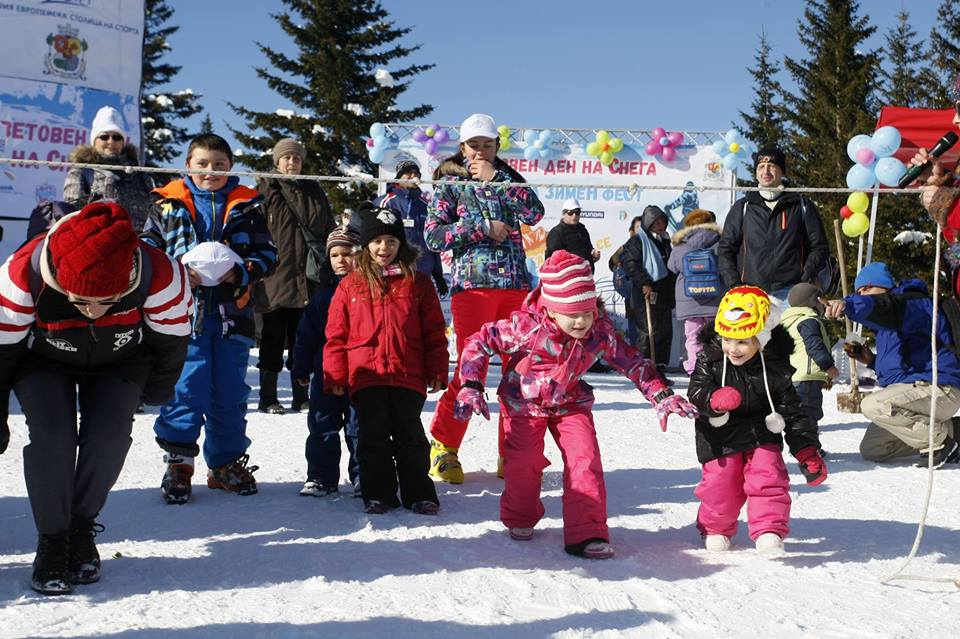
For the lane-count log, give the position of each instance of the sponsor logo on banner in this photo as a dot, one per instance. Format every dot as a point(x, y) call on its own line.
point(594, 214)
point(66, 57)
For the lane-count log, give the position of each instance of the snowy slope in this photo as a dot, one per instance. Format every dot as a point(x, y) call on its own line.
point(280, 565)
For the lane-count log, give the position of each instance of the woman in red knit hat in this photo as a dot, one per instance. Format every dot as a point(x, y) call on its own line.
point(89, 317)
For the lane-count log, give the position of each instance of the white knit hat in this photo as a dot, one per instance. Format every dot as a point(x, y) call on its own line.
point(107, 120)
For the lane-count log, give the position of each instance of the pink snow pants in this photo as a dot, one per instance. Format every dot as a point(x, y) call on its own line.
point(758, 477)
point(691, 328)
point(584, 494)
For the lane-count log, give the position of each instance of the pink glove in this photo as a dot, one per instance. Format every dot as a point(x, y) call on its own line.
point(676, 405)
point(725, 399)
point(812, 466)
point(470, 400)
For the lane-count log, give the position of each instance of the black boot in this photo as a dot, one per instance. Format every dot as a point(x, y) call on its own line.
point(84, 558)
point(268, 394)
point(301, 396)
point(51, 573)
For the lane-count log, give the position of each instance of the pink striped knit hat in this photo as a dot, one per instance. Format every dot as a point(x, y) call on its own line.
point(566, 284)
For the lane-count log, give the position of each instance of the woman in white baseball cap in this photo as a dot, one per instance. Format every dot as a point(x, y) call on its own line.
point(480, 225)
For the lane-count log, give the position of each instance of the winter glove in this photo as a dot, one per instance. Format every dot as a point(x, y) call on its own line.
point(442, 288)
point(812, 465)
point(470, 400)
point(725, 399)
point(677, 405)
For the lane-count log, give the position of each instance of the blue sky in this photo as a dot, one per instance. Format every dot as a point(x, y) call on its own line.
point(679, 64)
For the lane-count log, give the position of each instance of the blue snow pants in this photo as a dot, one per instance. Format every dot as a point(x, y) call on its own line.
point(329, 414)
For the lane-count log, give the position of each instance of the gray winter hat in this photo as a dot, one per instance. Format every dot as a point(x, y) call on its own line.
point(808, 295)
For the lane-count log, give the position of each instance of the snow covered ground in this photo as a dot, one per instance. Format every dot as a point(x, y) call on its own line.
point(280, 565)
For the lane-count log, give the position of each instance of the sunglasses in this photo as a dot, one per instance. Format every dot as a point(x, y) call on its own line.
point(572, 213)
point(116, 137)
point(82, 302)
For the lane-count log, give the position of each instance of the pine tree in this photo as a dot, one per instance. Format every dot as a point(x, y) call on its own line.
point(907, 79)
point(331, 84)
point(206, 125)
point(945, 50)
point(765, 125)
point(160, 111)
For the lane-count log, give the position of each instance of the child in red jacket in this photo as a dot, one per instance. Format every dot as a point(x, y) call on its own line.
point(386, 342)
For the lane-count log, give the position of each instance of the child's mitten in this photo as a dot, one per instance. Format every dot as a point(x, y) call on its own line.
point(677, 405)
point(725, 399)
point(470, 400)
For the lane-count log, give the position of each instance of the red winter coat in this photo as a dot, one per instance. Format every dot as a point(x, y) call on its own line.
point(394, 340)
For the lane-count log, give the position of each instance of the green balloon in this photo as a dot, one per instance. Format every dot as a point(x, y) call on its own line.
point(593, 149)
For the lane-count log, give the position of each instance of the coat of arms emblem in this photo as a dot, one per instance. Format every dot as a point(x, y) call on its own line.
point(66, 55)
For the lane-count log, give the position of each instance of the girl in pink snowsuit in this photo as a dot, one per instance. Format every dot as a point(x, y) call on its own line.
point(546, 347)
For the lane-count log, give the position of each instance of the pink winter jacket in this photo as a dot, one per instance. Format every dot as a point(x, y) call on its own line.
point(543, 365)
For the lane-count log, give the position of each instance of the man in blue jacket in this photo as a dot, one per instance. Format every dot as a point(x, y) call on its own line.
point(901, 314)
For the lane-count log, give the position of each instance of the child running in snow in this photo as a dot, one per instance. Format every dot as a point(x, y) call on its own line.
point(386, 342)
point(546, 348)
point(329, 414)
point(741, 386)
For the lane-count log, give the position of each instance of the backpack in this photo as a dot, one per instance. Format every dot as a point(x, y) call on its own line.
point(701, 275)
point(828, 279)
point(621, 283)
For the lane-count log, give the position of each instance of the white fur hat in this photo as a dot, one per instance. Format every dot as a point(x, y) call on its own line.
point(107, 120)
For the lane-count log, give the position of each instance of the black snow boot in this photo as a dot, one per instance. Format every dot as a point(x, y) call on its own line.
point(268, 394)
point(84, 558)
point(51, 571)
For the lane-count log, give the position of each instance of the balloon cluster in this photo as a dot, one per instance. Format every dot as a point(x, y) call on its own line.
point(378, 143)
point(854, 214)
point(538, 144)
point(503, 131)
point(732, 149)
point(431, 137)
point(605, 147)
point(873, 161)
point(663, 145)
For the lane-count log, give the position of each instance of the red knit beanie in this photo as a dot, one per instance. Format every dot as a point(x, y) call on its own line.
point(566, 284)
point(92, 251)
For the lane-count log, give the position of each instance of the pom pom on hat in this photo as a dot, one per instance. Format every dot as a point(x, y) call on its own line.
point(92, 251)
point(566, 284)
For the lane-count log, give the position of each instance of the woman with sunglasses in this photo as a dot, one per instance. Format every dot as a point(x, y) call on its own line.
point(571, 235)
point(92, 320)
point(108, 145)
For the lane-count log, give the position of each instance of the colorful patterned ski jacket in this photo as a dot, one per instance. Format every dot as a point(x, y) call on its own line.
point(458, 219)
point(543, 366)
point(237, 222)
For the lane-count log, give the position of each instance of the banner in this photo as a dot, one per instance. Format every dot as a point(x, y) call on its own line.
point(60, 61)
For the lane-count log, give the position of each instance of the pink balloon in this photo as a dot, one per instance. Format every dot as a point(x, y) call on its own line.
point(654, 148)
point(865, 156)
point(669, 154)
point(675, 138)
point(441, 136)
point(430, 146)
point(370, 143)
point(657, 133)
point(419, 135)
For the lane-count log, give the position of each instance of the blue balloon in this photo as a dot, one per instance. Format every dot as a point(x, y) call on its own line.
point(531, 152)
point(731, 161)
point(529, 137)
point(379, 141)
point(377, 130)
point(720, 147)
point(546, 152)
point(546, 135)
point(856, 143)
point(860, 177)
point(885, 142)
point(732, 137)
point(376, 155)
point(889, 171)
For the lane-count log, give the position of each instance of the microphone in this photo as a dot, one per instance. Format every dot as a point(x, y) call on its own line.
point(943, 145)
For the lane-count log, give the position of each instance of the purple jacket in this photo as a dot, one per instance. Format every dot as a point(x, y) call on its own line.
point(685, 240)
point(543, 366)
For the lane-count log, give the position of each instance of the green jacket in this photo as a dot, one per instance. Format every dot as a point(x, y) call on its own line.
point(807, 370)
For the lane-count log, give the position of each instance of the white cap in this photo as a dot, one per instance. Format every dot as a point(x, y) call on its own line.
point(571, 204)
point(107, 120)
point(478, 125)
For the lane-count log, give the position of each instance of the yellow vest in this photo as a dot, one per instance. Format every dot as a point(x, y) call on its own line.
point(807, 370)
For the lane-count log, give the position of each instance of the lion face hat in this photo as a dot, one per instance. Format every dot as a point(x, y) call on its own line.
point(745, 312)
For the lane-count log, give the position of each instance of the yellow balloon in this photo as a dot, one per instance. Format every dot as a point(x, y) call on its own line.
point(606, 158)
point(505, 144)
point(593, 149)
point(616, 145)
point(429, 131)
point(503, 130)
point(603, 137)
point(856, 225)
point(734, 147)
point(858, 203)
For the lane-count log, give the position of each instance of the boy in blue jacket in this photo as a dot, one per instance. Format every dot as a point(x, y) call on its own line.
point(902, 316)
point(329, 414)
point(212, 391)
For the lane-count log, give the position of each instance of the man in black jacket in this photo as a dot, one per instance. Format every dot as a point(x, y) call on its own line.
point(571, 235)
point(772, 239)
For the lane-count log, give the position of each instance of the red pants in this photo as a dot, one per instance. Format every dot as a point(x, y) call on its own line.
point(584, 493)
point(471, 310)
point(757, 477)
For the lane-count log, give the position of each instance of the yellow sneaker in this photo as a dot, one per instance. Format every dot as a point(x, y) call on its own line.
point(500, 466)
point(444, 464)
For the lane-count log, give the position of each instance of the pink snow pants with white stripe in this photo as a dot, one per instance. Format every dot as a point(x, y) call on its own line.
point(757, 477)
point(584, 493)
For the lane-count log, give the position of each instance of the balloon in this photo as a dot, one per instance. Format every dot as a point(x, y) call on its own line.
point(546, 135)
point(885, 141)
point(732, 137)
point(730, 162)
point(720, 147)
point(856, 225)
point(675, 138)
point(593, 149)
point(529, 136)
point(376, 155)
point(657, 133)
point(664, 141)
point(545, 152)
point(503, 130)
point(856, 143)
point(606, 158)
point(430, 146)
point(370, 142)
point(603, 137)
point(860, 177)
point(616, 145)
point(505, 144)
point(669, 154)
point(653, 148)
point(377, 130)
point(419, 135)
point(865, 157)
point(889, 171)
point(734, 148)
point(441, 136)
point(530, 152)
point(845, 211)
point(430, 131)
point(858, 202)
point(538, 144)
